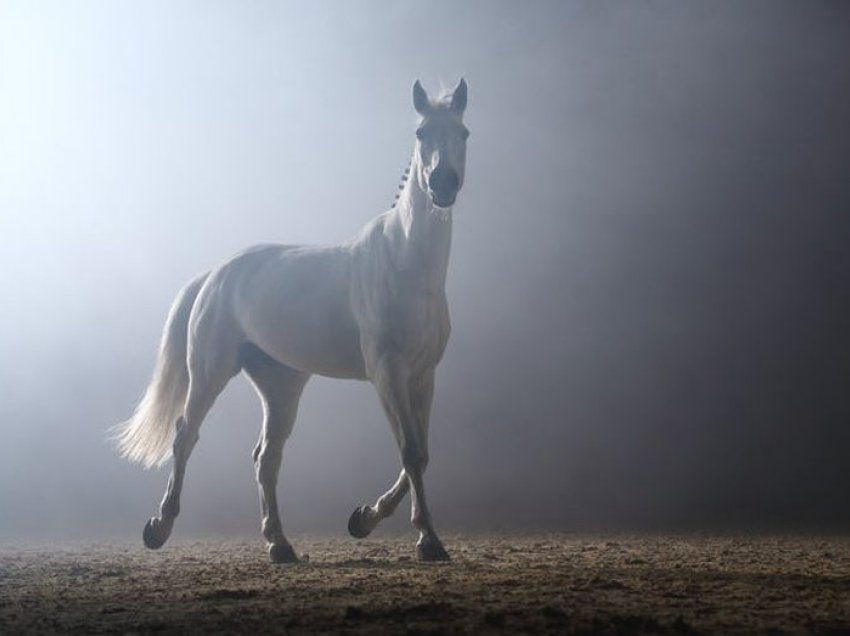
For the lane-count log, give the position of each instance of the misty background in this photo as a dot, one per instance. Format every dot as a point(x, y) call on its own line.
point(648, 283)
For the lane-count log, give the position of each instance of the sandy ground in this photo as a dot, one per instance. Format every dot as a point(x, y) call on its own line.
point(506, 584)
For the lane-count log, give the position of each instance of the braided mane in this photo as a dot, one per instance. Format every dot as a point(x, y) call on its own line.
point(404, 178)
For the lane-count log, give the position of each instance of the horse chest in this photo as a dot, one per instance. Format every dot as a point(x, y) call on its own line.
point(398, 295)
point(412, 323)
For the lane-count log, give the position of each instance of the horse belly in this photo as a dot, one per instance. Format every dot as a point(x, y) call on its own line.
point(297, 311)
point(312, 350)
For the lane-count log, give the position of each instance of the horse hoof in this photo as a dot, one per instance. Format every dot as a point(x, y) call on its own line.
point(432, 551)
point(282, 554)
point(153, 534)
point(356, 527)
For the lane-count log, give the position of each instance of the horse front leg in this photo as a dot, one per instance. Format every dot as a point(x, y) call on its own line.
point(407, 402)
point(430, 548)
point(364, 519)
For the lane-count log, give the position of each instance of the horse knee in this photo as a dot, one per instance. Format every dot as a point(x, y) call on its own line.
point(414, 458)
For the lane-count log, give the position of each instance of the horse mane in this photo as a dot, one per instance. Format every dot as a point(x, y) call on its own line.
point(404, 177)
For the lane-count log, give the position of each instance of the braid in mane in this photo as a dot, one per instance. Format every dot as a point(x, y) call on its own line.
point(404, 178)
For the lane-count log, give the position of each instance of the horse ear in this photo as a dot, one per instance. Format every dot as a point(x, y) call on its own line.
point(458, 102)
point(420, 99)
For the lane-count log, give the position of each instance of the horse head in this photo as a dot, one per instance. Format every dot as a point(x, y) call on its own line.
point(440, 143)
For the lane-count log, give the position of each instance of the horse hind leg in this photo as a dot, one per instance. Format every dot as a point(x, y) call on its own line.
point(279, 388)
point(208, 375)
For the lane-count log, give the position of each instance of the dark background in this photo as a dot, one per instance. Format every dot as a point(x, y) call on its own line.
point(649, 277)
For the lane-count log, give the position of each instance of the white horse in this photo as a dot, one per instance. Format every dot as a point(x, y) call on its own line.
point(373, 308)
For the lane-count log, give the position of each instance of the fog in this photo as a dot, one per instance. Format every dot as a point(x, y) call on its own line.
point(648, 280)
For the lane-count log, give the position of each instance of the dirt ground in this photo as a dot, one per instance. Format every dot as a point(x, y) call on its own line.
point(498, 584)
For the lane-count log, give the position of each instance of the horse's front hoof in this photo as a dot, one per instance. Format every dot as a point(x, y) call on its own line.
point(357, 527)
point(431, 551)
point(282, 553)
point(155, 534)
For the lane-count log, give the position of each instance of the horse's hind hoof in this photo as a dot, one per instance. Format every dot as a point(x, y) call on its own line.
point(432, 551)
point(356, 526)
point(154, 535)
point(282, 554)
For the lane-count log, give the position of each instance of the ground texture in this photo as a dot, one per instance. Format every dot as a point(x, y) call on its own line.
point(506, 584)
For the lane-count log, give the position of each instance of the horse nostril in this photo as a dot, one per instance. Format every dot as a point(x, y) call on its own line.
point(444, 181)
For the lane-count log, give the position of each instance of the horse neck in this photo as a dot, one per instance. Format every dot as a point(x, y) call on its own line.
point(423, 233)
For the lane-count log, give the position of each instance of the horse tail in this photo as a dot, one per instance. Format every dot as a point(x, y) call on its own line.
point(148, 435)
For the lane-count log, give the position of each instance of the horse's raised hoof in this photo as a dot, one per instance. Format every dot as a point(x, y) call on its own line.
point(282, 553)
point(356, 526)
point(431, 551)
point(155, 534)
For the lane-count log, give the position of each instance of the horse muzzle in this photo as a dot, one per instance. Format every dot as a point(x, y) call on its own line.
point(443, 186)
